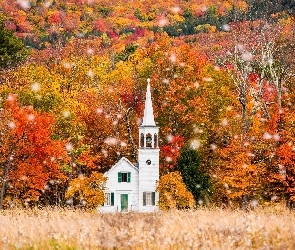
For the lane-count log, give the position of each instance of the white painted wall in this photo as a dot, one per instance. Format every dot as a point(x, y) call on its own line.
point(148, 176)
point(117, 188)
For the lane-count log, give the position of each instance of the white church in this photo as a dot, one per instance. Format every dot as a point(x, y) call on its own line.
point(132, 187)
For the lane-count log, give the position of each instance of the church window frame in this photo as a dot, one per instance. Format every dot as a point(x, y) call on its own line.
point(142, 140)
point(149, 198)
point(124, 177)
point(155, 141)
point(109, 199)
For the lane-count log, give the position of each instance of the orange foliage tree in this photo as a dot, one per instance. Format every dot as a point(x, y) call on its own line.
point(173, 192)
point(29, 157)
point(87, 191)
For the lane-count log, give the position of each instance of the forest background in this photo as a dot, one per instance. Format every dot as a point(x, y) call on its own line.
point(73, 79)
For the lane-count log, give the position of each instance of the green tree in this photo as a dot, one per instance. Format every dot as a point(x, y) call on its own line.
point(12, 49)
point(196, 180)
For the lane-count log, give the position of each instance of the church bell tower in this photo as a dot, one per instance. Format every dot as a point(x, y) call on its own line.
point(148, 157)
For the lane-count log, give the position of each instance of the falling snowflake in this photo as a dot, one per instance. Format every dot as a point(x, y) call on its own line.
point(168, 159)
point(224, 122)
point(195, 144)
point(176, 9)
point(90, 51)
point(207, 79)
point(270, 61)
point(69, 201)
point(11, 98)
point(197, 130)
point(66, 114)
point(24, 4)
point(276, 137)
point(204, 8)
point(111, 141)
point(197, 85)
point(225, 27)
point(24, 177)
point(254, 203)
point(69, 147)
point(90, 73)
point(99, 110)
point(247, 56)
point(166, 81)
point(35, 87)
point(138, 121)
point(11, 125)
point(169, 138)
point(104, 152)
point(31, 117)
point(47, 4)
point(213, 146)
point(172, 58)
point(123, 144)
point(67, 65)
point(162, 22)
point(267, 136)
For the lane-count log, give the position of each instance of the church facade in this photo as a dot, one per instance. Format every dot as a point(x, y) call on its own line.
point(132, 187)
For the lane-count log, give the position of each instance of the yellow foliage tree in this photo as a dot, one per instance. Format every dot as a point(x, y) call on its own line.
point(88, 190)
point(173, 192)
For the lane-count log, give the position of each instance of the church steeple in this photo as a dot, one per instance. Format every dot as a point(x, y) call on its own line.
point(148, 157)
point(148, 117)
point(148, 131)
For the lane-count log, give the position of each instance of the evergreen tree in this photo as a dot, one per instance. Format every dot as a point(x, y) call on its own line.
point(196, 180)
point(12, 49)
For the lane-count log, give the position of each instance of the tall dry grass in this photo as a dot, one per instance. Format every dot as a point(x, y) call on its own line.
point(271, 228)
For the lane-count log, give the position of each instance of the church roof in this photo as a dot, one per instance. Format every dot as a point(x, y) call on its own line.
point(148, 117)
point(119, 163)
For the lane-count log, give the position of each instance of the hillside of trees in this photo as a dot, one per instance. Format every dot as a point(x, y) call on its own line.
point(72, 84)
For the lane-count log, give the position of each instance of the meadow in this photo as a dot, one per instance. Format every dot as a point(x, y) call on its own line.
point(264, 228)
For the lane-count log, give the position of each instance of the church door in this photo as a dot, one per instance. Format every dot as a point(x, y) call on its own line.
point(124, 202)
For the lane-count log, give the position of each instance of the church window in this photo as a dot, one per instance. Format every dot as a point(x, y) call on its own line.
point(155, 140)
point(124, 176)
point(148, 140)
point(109, 199)
point(141, 140)
point(148, 198)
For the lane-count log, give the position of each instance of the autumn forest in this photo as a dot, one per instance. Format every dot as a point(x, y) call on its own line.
point(73, 76)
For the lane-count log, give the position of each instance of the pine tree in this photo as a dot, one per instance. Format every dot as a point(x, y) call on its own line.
point(196, 180)
point(12, 49)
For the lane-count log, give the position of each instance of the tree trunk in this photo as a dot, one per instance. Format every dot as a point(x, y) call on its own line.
point(6, 171)
point(133, 155)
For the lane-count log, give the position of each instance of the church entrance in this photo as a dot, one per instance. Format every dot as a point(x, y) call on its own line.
point(124, 202)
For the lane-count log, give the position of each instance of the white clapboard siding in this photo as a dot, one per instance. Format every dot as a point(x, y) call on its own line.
point(130, 188)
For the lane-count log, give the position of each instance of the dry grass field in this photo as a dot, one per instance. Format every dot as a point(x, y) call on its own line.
point(268, 228)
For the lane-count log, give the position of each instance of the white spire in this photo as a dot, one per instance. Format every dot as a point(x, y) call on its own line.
point(148, 117)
